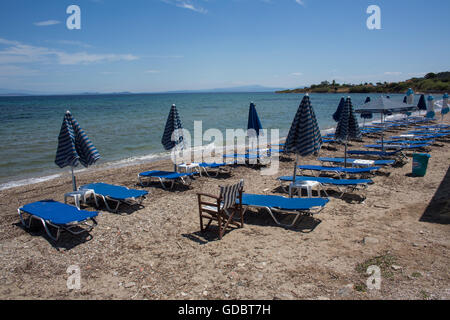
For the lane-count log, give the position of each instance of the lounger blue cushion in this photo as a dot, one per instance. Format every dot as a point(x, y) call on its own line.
point(374, 153)
point(350, 160)
point(396, 146)
point(325, 180)
point(338, 169)
point(406, 141)
point(57, 212)
point(211, 165)
point(165, 174)
point(115, 192)
point(292, 204)
point(246, 156)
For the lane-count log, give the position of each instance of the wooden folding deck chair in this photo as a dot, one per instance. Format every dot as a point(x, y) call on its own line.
point(223, 208)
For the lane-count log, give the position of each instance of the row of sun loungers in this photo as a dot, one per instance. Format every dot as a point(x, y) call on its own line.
point(66, 217)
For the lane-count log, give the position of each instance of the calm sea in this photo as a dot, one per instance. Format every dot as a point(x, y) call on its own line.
point(127, 128)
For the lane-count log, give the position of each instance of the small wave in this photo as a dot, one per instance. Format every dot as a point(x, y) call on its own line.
point(24, 182)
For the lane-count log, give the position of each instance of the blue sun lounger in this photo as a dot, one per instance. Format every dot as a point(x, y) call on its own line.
point(343, 185)
point(380, 154)
point(359, 162)
point(58, 215)
point(397, 146)
point(165, 176)
point(411, 142)
point(116, 194)
point(213, 165)
point(413, 137)
point(295, 206)
point(340, 171)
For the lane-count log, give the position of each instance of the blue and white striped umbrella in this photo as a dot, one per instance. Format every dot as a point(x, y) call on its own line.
point(253, 120)
point(347, 127)
point(422, 105)
point(337, 114)
point(74, 146)
point(173, 134)
point(304, 137)
point(173, 124)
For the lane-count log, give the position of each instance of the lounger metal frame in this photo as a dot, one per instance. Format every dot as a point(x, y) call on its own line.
point(163, 180)
point(298, 213)
point(129, 201)
point(66, 227)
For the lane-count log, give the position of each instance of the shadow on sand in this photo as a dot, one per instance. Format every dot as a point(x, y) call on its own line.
point(438, 210)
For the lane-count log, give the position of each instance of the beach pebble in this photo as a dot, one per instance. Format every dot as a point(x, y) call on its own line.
point(370, 240)
point(395, 267)
point(129, 284)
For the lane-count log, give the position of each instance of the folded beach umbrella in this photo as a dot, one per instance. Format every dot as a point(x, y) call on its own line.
point(253, 120)
point(445, 109)
point(74, 146)
point(422, 105)
point(337, 114)
point(366, 115)
point(430, 107)
point(409, 96)
point(304, 137)
point(173, 131)
point(347, 127)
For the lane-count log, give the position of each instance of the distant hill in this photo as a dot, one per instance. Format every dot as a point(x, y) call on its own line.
point(430, 83)
point(253, 88)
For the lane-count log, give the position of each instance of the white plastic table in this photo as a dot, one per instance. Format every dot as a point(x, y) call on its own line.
point(81, 195)
point(361, 162)
point(189, 168)
point(307, 185)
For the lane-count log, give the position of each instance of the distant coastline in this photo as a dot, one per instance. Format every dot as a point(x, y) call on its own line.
point(430, 83)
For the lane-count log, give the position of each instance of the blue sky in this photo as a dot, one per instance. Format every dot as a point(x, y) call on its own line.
point(161, 45)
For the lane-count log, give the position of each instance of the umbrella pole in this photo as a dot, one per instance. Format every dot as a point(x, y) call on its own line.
point(74, 181)
point(382, 134)
point(295, 168)
point(345, 155)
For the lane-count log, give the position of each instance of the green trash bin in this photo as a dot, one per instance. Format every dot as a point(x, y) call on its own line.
point(419, 164)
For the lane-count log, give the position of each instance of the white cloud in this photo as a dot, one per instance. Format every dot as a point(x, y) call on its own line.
point(296, 74)
point(74, 43)
point(152, 71)
point(17, 52)
point(186, 4)
point(86, 58)
point(47, 23)
point(300, 2)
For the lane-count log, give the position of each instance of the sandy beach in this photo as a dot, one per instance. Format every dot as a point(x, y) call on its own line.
point(157, 252)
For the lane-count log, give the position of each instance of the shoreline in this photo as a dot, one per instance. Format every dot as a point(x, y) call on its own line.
point(147, 159)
